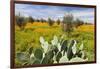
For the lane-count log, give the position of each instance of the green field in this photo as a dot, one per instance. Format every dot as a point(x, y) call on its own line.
point(29, 37)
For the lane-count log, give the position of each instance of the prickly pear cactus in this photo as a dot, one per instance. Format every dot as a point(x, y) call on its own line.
point(55, 51)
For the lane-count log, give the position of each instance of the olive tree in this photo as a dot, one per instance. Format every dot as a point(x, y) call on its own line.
point(58, 21)
point(21, 21)
point(67, 23)
point(31, 20)
point(50, 22)
point(78, 22)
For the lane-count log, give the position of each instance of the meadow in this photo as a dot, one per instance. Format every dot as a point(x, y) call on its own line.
point(29, 37)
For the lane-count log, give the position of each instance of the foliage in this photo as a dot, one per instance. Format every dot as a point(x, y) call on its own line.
point(58, 21)
point(78, 22)
point(21, 21)
point(37, 20)
point(53, 52)
point(31, 20)
point(50, 22)
point(43, 20)
point(67, 21)
point(53, 49)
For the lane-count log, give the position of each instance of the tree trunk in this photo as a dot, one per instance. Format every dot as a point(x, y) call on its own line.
point(65, 27)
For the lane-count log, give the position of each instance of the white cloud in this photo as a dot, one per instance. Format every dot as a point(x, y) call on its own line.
point(86, 15)
point(54, 12)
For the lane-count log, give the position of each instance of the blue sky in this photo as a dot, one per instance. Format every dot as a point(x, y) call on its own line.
point(54, 12)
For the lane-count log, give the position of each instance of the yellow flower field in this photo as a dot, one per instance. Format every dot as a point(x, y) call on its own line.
point(86, 28)
point(29, 37)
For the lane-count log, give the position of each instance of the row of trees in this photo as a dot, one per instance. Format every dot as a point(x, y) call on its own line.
point(21, 21)
point(32, 20)
point(67, 23)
